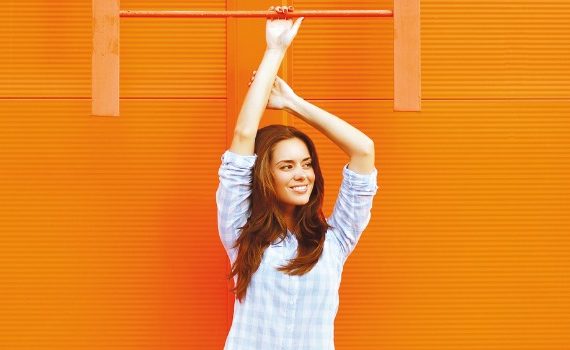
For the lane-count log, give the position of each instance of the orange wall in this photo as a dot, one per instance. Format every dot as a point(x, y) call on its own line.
point(108, 236)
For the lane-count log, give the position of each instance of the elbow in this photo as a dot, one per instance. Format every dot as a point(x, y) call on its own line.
point(365, 150)
point(368, 149)
point(245, 133)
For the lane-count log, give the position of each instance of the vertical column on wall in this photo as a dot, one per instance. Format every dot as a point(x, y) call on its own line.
point(232, 104)
point(232, 109)
point(245, 46)
point(287, 71)
point(105, 58)
point(407, 59)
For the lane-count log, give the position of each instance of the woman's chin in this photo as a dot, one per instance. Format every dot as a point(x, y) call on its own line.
point(298, 198)
point(300, 201)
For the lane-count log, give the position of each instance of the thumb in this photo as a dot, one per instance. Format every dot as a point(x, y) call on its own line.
point(295, 27)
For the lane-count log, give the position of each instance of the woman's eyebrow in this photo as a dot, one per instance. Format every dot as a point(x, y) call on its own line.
point(291, 161)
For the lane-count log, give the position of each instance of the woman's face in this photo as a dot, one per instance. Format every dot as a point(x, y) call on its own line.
point(291, 167)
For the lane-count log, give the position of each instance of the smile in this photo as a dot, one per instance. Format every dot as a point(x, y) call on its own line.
point(300, 189)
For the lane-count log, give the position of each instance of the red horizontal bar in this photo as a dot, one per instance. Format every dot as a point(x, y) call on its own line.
point(262, 14)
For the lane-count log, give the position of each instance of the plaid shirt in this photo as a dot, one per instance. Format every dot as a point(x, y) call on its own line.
point(285, 312)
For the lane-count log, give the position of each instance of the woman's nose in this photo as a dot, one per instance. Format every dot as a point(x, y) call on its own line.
point(300, 174)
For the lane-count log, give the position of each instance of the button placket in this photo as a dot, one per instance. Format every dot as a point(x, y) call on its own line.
point(288, 251)
point(293, 282)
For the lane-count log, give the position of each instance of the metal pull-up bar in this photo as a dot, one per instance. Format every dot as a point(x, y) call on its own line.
point(105, 55)
point(264, 14)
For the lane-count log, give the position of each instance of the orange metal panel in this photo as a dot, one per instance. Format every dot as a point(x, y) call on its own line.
point(344, 58)
point(495, 49)
point(108, 225)
point(49, 47)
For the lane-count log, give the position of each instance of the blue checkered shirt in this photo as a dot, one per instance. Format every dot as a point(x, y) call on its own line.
point(282, 312)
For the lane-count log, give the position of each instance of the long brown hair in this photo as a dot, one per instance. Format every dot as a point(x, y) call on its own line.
point(266, 222)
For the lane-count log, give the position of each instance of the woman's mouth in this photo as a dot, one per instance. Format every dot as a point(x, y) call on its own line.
point(300, 189)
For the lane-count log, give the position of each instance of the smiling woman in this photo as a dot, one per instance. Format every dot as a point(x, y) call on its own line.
point(287, 158)
point(285, 255)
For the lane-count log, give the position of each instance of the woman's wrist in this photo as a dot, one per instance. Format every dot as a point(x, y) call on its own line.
point(292, 103)
point(276, 50)
point(275, 54)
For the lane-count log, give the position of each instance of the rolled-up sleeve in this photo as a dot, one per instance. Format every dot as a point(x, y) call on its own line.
point(352, 210)
point(232, 196)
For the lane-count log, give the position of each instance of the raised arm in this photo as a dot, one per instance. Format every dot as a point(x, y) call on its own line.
point(358, 146)
point(279, 34)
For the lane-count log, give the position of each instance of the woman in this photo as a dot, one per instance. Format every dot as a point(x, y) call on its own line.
point(284, 253)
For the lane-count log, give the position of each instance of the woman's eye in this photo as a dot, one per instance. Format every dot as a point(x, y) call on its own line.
point(288, 166)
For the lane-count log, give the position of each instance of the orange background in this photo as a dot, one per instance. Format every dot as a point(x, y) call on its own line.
point(108, 224)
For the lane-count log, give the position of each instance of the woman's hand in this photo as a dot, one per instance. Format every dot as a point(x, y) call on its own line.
point(281, 95)
point(279, 33)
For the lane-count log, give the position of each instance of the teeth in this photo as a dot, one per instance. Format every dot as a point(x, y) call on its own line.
point(300, 188)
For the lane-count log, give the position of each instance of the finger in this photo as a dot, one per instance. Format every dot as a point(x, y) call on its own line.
point(291, 8)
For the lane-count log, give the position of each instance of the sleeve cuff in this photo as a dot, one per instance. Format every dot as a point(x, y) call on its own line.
point(365, 182)
point(238, 160)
